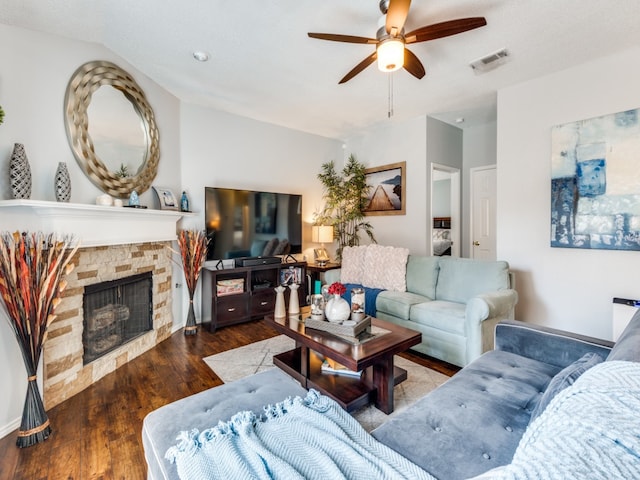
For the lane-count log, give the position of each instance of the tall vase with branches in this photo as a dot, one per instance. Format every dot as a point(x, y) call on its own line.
point(345, 196)
point(31, 269)
point(193, 251)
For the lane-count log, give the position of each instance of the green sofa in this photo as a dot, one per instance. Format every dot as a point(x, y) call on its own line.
point(454, 302)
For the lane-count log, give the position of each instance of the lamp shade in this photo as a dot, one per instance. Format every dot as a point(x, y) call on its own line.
point(390, 55)
point(322, 234)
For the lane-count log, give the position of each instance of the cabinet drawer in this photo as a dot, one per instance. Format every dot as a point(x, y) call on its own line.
point(231, 307)
point(263, 303)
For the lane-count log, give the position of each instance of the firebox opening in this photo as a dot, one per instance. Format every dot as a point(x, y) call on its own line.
point(116, 312)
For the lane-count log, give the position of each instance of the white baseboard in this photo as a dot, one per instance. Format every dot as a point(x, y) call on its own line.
point(10, 427)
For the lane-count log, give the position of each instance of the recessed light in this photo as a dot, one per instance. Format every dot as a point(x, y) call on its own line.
point(201, 56)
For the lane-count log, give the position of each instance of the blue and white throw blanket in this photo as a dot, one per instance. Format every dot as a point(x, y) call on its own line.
point(590, 430)
point(310, 438)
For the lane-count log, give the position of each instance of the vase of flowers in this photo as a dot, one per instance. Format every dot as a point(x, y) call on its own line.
point(337, 309)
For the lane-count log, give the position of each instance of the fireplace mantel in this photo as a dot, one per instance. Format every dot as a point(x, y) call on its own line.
point(92, 225)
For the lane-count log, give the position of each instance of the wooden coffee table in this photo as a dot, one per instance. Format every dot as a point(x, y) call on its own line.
point(374, 357)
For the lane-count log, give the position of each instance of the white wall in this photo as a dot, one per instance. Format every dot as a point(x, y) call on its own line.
point(223, 150)
point(441, 198)
point(564, 288)
point(36, 70)
point(396, 142)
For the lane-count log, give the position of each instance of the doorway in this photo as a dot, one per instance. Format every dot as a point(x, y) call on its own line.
point(444, 225)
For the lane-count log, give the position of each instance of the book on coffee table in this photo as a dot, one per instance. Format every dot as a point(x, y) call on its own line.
point(335, 368)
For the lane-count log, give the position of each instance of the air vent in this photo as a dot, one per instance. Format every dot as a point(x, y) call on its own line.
point(489, 62)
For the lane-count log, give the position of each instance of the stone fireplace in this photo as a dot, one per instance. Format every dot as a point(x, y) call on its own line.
point(116, 243)
point(65, 372)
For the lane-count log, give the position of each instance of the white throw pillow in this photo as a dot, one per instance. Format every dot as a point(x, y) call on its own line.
point(352, 265)
point(386, 268)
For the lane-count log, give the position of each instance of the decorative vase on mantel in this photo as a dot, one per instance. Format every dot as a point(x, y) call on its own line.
point(62, 183)
point(337, 309)
point(20, 173)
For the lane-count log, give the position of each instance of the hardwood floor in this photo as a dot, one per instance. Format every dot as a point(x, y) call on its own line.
point(96, 433)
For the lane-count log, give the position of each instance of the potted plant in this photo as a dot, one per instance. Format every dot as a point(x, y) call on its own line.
point(345, 196)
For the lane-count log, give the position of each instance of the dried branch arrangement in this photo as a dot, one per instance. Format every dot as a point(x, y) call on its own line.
point(193, 252)
point(31, 269)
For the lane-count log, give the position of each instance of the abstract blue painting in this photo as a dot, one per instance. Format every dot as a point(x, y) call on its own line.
point(595, 183)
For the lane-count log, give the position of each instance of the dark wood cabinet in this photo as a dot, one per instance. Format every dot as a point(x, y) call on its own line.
point(236, 295)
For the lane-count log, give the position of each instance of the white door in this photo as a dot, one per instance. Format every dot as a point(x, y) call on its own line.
point(483, 212)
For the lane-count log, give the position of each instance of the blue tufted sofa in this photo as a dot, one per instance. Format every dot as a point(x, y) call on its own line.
point(470, 425)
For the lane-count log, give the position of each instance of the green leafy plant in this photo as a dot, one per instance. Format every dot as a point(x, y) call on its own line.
point(123, 171)
point(345, 196)
point(1, 115)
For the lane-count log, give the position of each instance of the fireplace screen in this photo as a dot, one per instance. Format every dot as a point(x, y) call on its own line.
point(115, 313)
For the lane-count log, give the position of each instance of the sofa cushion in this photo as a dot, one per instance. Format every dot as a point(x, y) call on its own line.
point(460, 279)
point(270, 247)
point(626, 348)
point(474, 421)
point(442, 315)
point(352, 268)
point(385, 267)
point(257, 247)
point(566, 377)
point(422, 275)
point(398, 304)
point(283, 247)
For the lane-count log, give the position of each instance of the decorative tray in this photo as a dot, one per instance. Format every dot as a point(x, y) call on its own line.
point(339, 329)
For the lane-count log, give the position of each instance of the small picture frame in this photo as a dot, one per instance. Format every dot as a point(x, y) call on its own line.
point(166, 198)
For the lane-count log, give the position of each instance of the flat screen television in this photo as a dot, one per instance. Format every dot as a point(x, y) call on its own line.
point(246, 223)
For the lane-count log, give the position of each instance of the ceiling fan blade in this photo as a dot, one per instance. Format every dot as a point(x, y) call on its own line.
point(396, 16)
point(360, 67)
point(413, 65)
point(342, 38)
point(444, 29)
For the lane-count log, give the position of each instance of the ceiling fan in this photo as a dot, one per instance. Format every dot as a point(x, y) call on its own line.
point(391, 40)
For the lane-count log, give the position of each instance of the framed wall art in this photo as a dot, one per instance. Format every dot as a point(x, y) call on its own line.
point(387, 193)
point(595, 183)
point(166, 198)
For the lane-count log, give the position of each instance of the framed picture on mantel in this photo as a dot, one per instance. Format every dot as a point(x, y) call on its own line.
point(166, 198)
point(387, 193)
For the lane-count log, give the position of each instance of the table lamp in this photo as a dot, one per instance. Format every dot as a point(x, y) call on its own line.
point(321, 234)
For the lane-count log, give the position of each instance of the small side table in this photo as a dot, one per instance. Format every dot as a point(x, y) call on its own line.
point(316, 272)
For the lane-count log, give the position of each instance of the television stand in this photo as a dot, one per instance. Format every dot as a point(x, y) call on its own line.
point(241, 294)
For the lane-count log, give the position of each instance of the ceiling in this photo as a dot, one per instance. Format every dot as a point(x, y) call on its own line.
point(263, 65)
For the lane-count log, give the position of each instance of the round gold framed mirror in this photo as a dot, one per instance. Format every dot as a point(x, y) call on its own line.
point(111, 129)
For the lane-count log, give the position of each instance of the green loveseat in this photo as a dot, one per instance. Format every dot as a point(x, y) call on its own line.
point(454, 302)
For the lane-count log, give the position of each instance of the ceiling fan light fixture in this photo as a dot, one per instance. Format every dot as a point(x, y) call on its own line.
point(390, 55)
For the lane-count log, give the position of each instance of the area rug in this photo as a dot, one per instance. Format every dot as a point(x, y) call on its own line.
point(256, 357)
